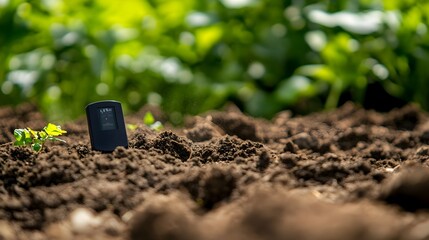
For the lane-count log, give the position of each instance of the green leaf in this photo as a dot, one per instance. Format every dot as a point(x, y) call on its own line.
point(157, 126)
point(54, 130)
point(16, 143)
point(132, 127)
point(318, 71)
point(148, 119)
point(207, 37)
point(43, 135)
point(36, 146)
point(19, 143)
point(20, 137)
point(18, 134)
point(27, 137)
point(33, 133)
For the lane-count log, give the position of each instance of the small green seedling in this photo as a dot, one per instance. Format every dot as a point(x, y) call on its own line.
point(37, 139)
point(149, 120)
point(131, 126)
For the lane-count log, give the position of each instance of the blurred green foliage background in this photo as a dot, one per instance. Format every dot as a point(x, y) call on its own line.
point(190, 56)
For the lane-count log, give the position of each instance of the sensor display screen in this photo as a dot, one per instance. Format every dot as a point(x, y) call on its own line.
point(107, 118)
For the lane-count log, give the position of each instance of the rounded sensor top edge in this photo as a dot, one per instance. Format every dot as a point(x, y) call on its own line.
point(106, 125)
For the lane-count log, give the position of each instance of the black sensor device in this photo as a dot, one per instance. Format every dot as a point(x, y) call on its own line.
point(106, 125)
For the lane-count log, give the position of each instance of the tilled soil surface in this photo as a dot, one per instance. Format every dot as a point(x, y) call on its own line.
point(346, 174)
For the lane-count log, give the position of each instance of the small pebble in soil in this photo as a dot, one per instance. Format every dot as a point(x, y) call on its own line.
point(83, 220)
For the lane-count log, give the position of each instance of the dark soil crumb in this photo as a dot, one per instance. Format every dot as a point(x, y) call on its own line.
point(264, 161)
point(405, 118)
point(216, 185)
point(345, 174)
point(237, 124)
point(408, 189)
point(203, 130)
point(164, 217)
point(351, 137)
point(290, 147)
point(170, 143)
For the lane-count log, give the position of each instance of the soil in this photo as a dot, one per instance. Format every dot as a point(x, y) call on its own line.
point(346, 174)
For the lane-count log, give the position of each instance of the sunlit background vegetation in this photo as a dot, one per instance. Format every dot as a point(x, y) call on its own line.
point(189, 56)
